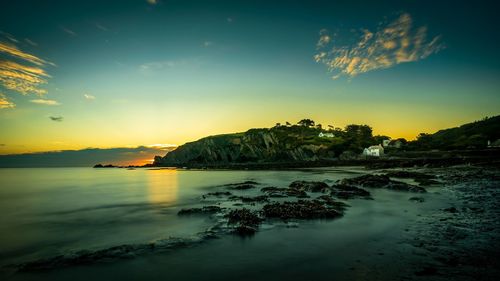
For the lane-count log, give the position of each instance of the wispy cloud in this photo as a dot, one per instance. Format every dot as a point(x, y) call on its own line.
point(152, 2)
point(89, 97)
point(68, 31)
point(229, 20)
point(5, 103)
point(56, 118)
point(208, 43)
point(162, 146)
point(13, 51)
point(21, 71)
point(101, 27)
point(31, 42)
point(391, 44)
point(9, 37)
point(156, 65)
point(45, 102)
point(170, 65)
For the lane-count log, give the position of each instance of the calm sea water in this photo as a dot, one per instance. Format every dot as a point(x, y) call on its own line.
point(47, 212)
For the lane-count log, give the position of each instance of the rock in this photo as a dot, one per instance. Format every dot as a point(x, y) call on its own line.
point(104, 166)
point(421, 178)
point(344, 191)
point(311, 186)
point(217, 194)
point(284, 192)
point(242, 185)
point(244, 199)
point(409, 175)
point(328, 200)
point(451, 210)
point(381, 181)
point(426, 271)
point(302, 209)
point(417, 199)
point(427, 182)
point(245, 230)
point(246, 221)
point(203, 210)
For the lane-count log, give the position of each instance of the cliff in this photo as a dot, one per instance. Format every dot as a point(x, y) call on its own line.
point(278, 144)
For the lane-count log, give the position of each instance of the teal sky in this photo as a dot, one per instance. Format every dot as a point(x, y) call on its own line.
point(129, 73)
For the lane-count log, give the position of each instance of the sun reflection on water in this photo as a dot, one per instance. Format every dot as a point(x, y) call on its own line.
point(162, 186)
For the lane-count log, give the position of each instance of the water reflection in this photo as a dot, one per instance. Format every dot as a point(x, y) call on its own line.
point(163, 186)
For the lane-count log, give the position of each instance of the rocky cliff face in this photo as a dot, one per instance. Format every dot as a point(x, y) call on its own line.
point(254, 146)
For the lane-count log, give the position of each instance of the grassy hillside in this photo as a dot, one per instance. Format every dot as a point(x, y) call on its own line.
point(471, 135)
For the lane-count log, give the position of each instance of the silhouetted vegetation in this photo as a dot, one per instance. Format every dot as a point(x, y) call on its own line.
point(473, 135)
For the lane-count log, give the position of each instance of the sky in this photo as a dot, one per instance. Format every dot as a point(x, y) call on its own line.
point(157, 73)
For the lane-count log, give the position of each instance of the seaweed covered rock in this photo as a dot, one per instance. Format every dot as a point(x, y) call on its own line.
point(203, 210)
point(242, 185)
point(272, 191)
point(217, 194)
point(381, 181)
point(417, 199)
point(421, 178)
point(310, 186)
point(302, 209)
point(245, 199)
point(328, 200)
point(246, 221)
point(344, 191)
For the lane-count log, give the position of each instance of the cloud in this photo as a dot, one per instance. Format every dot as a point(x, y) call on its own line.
point(101, 27)
point(9, 36)
point(32, 43)
point(22, 72)
point(5, 103)
point(45, 102)
point(68, 31)
point(230, 20)
point(2, 144)
point(170, 65)
point(207, 43)
point(162, 146)
point(13, 51)
point(89, 97)
point(157, 65)
point(324, 38)
point(56, 118)
point(391, 44)
point(83, 158)
point(152, 2)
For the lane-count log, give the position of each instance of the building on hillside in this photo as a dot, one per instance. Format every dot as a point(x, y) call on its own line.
point(374, 150)
point(326, 135)
point(494, 143)
point(395, 143)
point(386, 142)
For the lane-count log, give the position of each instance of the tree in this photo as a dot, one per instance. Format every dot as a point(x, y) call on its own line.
point(319, 127)
point(288, 123)
point(358, 136)
point(380, 139)
point(306, 123)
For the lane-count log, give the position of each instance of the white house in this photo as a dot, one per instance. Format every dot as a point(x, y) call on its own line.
point(326, 135)
point(374, 150)
point(385, 143)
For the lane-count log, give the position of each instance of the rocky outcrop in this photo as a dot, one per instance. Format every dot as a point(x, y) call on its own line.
point(253, 146)
point(381, 181)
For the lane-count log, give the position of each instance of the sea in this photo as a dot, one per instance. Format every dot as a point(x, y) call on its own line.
point(74, 214)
